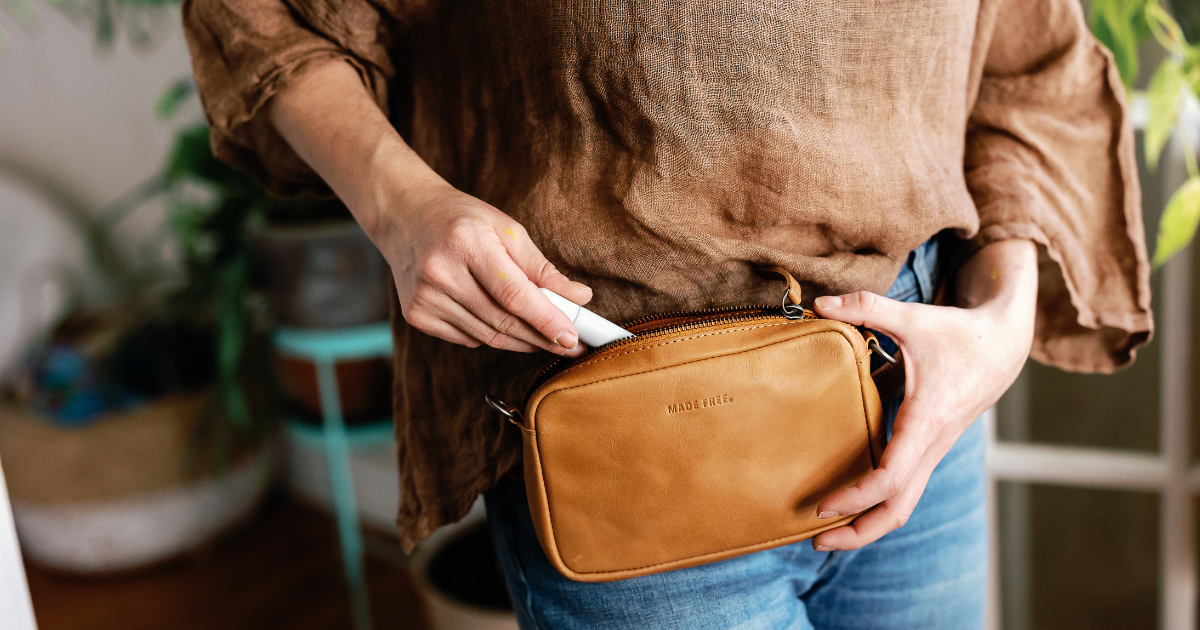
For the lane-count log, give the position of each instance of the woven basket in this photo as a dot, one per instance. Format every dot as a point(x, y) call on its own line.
point(119, 493)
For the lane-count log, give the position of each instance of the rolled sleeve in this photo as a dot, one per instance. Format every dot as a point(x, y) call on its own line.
point(1050, 158)
point(246, 51)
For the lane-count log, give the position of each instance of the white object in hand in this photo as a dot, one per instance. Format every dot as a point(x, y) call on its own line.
point(593, 329)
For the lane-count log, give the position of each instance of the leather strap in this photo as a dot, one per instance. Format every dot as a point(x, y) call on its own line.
point(793, 286)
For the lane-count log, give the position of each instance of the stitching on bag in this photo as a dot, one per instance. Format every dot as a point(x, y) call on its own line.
point(542, 477)
point(675, 365)
point(667, 343)
point(718, 553)
point(867, 418)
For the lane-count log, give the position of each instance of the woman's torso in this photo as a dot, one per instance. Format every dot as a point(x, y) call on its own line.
point(659, 150)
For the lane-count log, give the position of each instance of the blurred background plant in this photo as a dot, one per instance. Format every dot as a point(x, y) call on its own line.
point(142, 21)
point(1123, 25)
point(203, 322)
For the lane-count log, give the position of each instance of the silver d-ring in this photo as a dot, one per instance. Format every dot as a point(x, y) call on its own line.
point(873, 344)
point(508, 412)
point(499, 405)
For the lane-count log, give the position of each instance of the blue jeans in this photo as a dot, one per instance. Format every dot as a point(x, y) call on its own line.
point(930, 574)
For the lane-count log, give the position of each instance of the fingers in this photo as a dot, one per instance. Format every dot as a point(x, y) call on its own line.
point(863, 308)
point(918, 443)
point(521, 302)
point(898, 465)
point(535, 266)
point(467, 310)
point(484, 333)
point(886, 517)
point(446, 332)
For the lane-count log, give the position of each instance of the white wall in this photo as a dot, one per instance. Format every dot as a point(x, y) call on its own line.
point(82, 119)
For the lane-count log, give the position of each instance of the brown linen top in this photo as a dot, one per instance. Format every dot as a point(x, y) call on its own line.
point(658, 150)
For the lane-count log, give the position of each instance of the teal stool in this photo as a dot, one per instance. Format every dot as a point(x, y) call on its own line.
point(325, 348)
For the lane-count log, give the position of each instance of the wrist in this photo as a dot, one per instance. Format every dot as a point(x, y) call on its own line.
point(1001, 276)
point(395, 181)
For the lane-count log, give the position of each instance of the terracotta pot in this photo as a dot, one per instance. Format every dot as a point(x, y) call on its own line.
point(364, 387)
point(323, 275)
point(120, 493)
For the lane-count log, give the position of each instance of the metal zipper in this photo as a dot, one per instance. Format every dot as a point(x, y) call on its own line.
point(765, 312)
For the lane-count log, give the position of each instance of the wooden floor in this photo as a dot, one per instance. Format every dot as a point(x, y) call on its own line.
point(282, 570)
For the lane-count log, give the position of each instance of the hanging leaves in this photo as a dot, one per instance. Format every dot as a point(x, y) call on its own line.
point(173, 97)
point(1163, 97)
point(23, 13)
point(1178, 223)
point(1121, 26)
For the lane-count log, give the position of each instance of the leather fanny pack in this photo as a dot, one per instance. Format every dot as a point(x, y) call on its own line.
point(708, 435)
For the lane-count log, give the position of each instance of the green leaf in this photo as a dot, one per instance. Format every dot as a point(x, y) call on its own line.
point(231, 340)
point(1178, 223)
point(1162, 96)
point(1165, 29)
point(1121, 26)
point(1124, 51)
point(106, 27)
point(174, 96)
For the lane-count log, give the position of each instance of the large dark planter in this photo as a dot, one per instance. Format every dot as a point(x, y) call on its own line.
point(325, 275)
point(457, 574)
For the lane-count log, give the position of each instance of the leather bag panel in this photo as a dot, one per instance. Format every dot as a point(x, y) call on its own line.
point(688, 449)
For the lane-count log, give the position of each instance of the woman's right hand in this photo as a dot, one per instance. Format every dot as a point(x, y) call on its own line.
point(469, 274)
point(465, 272)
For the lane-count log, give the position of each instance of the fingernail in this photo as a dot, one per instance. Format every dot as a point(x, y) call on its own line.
point(828, 514)
point(829, 302)
point(566, 340)
point(822, 548)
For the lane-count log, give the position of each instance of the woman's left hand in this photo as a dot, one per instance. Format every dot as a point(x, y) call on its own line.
point(958, 362)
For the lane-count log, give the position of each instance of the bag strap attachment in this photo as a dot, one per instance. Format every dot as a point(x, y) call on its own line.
point(512, 414)
point(873, 344)
point(792, 297)
point(889, 378)
point(790, 305)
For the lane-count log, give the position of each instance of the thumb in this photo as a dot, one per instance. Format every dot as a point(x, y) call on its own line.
point(863, 308)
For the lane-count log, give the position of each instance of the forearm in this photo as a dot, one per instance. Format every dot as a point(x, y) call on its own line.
point(333, 124)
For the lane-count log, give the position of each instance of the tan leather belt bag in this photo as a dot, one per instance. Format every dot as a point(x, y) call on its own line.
point(707, 436)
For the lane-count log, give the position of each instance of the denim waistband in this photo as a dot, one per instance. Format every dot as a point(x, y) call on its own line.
point(918, 281)
point(920, 276)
